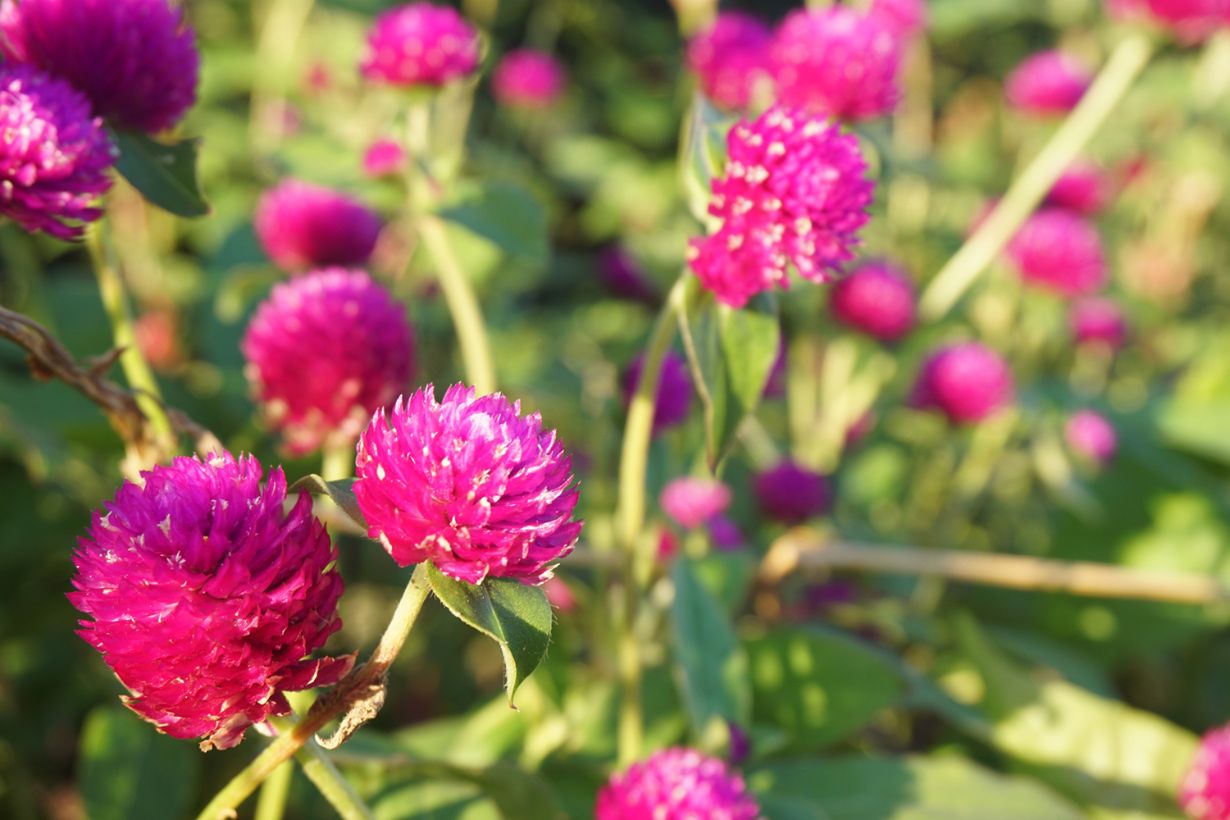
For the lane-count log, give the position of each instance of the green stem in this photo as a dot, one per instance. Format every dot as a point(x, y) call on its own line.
point(271, 803)
point(1126, 62)
point(281, 29)
point(332, 785)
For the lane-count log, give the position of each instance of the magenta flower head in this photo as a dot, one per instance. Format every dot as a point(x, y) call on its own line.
point(136, 60)
point(674, 399)
point(1059, 251)
point(1190, 20)
point(877, 299)
point(303, 226)
point(1098, 321)
point(794, 195)
point(1084, 188)
point(791, 493)
point(384, 157)
point(54, 157)
point(1092, 436)
point(1049, 82)
point(420, 44)
point(204, 596)
point(528, 79)
point(907, 18)
point(676, 784)
point(469, 485)
point(693, 501)
point(725, 533)
point(838, 62)
point(966, 382)
point(1204, 793)
point(324, 352)
point(729, 58)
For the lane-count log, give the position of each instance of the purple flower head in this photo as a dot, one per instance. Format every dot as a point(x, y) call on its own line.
point(136, 60)
point(420, 44)
point(725, 533)
point(794, 195)
point(1098, 321)
point(791, 494)
point(1084, 189)
point(204, 596)
point(907, 18)
point(838, 62)
point(877, 299)
point(1204, 793)
point(676, 784)
point(528, 79)
point(1059, 251)
point(1190, 20)
point(303, 226)
point(55, 156)
point(730, 57)
point(693, 501)
point(1049, 82)
point(621, 275)
point(674, 399)
point(384, 157)
point(324, 352)
point(1091, 435)
point(469, 485)
point(966, 382)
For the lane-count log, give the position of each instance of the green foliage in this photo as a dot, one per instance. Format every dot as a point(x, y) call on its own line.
point(164, 173)
point(129, 772)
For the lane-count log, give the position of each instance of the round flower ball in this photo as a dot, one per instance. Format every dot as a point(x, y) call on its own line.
point(877, 299)
point(794, 196)
point(468, 484)
point(1190, 20)
point(324, 352)
point(1059, 251)
point(55, 157)
point(205, 596)
point(791, 493)
point(907, 18)
point(730, 58)
point(1098, 321)
point(676, 784)
point(135, 60)
point(837, 62)
point(1046, 83)
point(674, 399)
point(967, 382)
point(1204, 793)
point(528, 79)
point(384, 157)
point(1092, 436)
point(1083, 189)
point(690, 502)
point(420, 44)
point(303, 226)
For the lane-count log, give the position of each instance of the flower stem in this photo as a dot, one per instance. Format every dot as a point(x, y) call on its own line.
point(332, 785)
point(1125, 63)
point(271, 803)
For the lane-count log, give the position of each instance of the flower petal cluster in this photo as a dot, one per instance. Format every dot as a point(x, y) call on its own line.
point(693, 501)
point(1084, 189)
point(1049, 82)
point(967, 382)
point(1060, 251)
point(420, 44)
point(204, 596)
point(384, 157)
point(1190, 20)
point(791, 493)
point(55, 156)
point(674, 399)
point(135, 60)
point(468, 484)
point(324, 352)
point(730, 58)
point(877, 299)
point(795, 194)
point(676, 784)
point(1098, 321)
point(908, 18)
point(528, 79)
point(303, 226)
point(1205, 791)
point(1091, 435)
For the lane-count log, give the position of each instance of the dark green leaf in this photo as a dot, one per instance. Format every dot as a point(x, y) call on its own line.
point(750, 339)
point(504, 214)
point(165, 174)
point(340, 493)
point(129, 771)
point(515, 615)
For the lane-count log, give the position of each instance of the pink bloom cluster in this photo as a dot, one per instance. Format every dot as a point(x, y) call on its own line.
point(791, 493)
point(1049, 82)
point(691, 502)
point(303, 226)
point(367, 347)
point(468, 484)
point(877, 299)
point(205, 596)
point(794, 194)
point(54, 156)
point(1059, 251)
point(730, 58)
point(1205, 791)
point(1098, 321)
point(384, 157)
point(1084, 188)
point(420, 44)
point(908, 18)
point(528, 79)
point(1091, 435)
point(676, 784)
point(967, 382)
point(674, 398)
point(1190, 20)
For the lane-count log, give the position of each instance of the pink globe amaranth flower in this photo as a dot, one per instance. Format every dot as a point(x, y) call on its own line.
point(877, 299)
point(1059, 251)
point(725, 533)
point(384, 157)
point(304, 226)
point(204, 596)
point(1190, 20)
point(324, 352)
point(420, 44)
point(730, 58)
point(676, 784)
point(668, 544)
point(1049, 82)
point(1204, 793)
point(838, 62)
point(674, 399)
point(136, 60)
point(967, 382)
point(791, 493)
point(1098, 321)
point(794, 195)
point(907, 18)
point(528, 79)
point(693, 501)
point(54, 156)
point(560, 595)
point(1092, 436)
point(1084, 189)
point(469, 485)
point(157, 336)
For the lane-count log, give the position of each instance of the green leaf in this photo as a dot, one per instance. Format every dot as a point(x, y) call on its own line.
point(712, 664)
point(340, 493)
point(504, 214)
point(165, 174)
point(703, 153)
point(750, 338)
point(129, 771)
point(515, 615)
point(819, 686)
